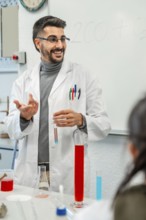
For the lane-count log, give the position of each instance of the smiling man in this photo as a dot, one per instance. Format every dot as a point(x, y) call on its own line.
point(51, 101)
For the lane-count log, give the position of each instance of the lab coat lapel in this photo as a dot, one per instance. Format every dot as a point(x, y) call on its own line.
point(35, 84)
point(65, 69)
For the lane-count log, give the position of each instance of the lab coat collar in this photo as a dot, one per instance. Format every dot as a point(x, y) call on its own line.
point(35, 81)
point(63, 73)
point(35, 77)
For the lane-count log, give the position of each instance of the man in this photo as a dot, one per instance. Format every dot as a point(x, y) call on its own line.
point(48, 104)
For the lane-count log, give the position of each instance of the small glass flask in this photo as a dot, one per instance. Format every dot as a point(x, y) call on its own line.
point(41, 189)
point(43, 180)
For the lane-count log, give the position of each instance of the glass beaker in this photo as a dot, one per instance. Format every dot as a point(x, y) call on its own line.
point(6, 180)
point(78, 137)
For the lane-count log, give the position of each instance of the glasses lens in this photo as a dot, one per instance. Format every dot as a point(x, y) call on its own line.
point(52, 39)
point(63, 39)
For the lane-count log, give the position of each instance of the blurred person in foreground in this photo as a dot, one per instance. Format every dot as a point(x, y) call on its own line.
point(130, 200)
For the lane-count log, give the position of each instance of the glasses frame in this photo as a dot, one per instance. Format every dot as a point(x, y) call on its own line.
point(47, 39)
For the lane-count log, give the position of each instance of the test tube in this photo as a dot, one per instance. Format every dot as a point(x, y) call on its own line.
point(55, 134)
point(78, 169)
point(98, 185)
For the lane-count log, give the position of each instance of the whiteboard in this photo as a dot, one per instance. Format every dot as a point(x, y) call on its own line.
point(109, 37)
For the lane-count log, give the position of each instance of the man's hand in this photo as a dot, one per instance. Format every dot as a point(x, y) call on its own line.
point(67, 118)
point(27, 111)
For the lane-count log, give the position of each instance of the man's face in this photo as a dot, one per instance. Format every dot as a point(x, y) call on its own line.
point(51, 51)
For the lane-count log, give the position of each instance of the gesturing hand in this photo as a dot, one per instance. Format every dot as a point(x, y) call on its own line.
point(27, 111)
point(67, 118)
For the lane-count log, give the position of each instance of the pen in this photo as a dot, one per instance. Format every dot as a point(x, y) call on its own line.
point(79, 93)
point(72, 93)
point(75, 89)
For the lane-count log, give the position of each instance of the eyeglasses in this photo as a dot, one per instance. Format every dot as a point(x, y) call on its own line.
point(54, 39)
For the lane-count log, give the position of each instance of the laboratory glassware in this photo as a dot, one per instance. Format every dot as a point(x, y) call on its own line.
point(6, 180)
point(98, 185)
point(79, 141)
point(42, 186)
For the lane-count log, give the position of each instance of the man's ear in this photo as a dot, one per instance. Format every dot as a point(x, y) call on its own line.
point(133, 150)
point(37, 43)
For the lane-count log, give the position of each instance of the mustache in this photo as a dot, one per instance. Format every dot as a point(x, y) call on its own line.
point(57, 50)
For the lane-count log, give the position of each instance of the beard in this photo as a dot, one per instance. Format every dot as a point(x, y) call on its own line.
point(49, 56)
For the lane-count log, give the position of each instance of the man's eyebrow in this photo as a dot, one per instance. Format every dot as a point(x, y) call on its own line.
point(55, 35)
point(52, 35)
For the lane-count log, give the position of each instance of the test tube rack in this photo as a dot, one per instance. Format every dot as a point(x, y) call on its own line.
point(4, 134)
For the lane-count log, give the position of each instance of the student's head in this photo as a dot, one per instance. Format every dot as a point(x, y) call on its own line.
point(49, 38)
point(137, 141)
point(129, 203)
point(137, 129)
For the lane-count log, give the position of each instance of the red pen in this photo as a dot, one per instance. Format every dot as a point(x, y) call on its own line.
point(72, 93)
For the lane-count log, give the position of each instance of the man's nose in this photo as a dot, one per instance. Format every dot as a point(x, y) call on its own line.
point(59, 43)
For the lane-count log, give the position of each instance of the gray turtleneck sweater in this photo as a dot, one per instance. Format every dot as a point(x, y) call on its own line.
point(48, 74)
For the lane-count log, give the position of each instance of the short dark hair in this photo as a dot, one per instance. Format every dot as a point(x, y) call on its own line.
point(47, 21)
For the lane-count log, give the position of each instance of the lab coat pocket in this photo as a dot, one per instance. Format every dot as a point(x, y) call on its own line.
point(78, 105)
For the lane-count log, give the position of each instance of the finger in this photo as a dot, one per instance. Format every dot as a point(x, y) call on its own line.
point(65, 125)
point(60, 117)
point(32, 102)
point(30, 99)
point(63, 112)
point(25, 108)
point(65, 122)
point(17, 103)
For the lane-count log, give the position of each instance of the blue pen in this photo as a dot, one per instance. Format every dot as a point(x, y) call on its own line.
point(75, 89)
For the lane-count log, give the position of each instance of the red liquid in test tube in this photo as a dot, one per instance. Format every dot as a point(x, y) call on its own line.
point(79, 173)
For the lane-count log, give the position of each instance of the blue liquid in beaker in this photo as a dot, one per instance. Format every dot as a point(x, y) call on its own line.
point(98, 188)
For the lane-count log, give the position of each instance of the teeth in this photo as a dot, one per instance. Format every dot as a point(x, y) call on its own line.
point(58, 52)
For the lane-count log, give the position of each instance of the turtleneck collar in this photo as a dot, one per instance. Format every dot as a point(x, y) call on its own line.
point(50, 67)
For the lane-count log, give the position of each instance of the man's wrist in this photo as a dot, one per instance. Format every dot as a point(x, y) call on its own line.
point(84, 124)
point(26, 119)
point(24, 123)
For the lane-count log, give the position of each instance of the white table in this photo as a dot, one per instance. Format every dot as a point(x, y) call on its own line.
point(35, 208)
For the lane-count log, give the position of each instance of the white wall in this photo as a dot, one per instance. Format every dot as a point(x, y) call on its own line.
point(107, 155)
point(110, 157)
point(6, 81)
point(109, 38)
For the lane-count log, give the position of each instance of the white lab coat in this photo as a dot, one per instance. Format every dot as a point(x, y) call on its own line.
point(61, 155)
